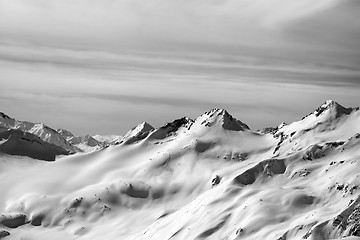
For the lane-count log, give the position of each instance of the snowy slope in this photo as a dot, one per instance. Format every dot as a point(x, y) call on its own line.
point(208, 178)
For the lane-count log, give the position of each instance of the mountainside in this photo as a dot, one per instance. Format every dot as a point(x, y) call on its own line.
point(207, 178)
point(17, 142)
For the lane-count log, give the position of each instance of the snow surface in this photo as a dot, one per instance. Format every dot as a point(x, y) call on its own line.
point(208, 178)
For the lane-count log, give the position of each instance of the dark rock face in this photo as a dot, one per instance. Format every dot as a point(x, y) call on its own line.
point(353, 222)
point(171, 128)
point(3, 115)
point(202, 146)
point(216, 180)
point(267, 168)
point(4, 234)
point(13, 221)
point(136, 191)
point(347, 223)
point(37, 220)
point(175, 125)
point(230, 123)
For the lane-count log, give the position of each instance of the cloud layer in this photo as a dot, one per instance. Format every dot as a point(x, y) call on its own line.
point(74, 64)
point(160, 23)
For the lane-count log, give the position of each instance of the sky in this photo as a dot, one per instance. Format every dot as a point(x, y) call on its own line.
point(102, 67)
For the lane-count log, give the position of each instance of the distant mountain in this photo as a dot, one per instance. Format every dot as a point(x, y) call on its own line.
point(108, 139)
point(17, 142)
point(85, 143)
point(44, 132)
point(61, 137)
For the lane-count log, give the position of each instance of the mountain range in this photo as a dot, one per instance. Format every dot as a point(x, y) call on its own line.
point(206, 178)
point(66, 143)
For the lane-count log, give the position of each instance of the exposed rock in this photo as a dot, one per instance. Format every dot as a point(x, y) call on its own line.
point(4, 234)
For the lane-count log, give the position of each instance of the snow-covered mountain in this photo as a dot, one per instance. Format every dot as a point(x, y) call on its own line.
point(17, 142)
point(44, 132)
point(208, 178)
point(137, 133)
point(61, 137)
point(85, 143)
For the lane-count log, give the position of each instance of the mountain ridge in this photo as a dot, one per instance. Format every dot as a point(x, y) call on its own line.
point(330, 110)
point(186, 180)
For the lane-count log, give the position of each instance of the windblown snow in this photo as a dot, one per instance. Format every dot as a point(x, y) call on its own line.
point(208, 178)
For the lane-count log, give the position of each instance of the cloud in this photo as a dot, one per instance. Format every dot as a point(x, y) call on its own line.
point(154, 23)
point(198, 69)
point(272, 58)
point(336, 30)
point(316, 31)
point(56, 85)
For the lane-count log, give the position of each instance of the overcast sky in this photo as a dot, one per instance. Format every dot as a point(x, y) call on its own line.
point(94, 66)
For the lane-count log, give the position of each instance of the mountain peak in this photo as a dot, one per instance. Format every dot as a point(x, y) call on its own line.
point(6, 122)
point(137, 133)
point(334, 108)
point(330, 104)
point(146, 126)
point(3, 115)
point(222, 117)
point(217, 111)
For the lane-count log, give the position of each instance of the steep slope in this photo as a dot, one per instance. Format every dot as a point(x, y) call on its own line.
point(208, 178)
